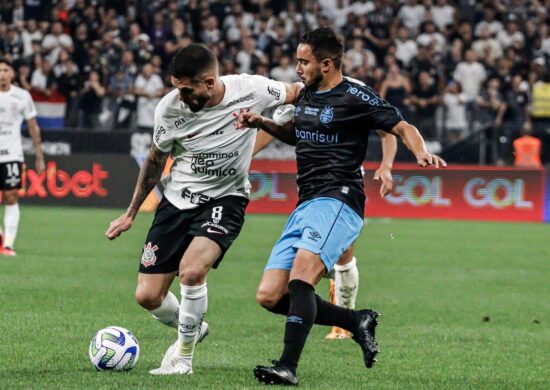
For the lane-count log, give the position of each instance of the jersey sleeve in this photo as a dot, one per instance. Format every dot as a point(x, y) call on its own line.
point(29, 110)
point(162, 133)
point(371, 110)
point(271, 93)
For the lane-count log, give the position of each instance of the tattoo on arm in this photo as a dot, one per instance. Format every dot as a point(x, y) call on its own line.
point(149, 175)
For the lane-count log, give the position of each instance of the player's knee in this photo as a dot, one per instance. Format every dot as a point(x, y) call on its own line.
point(147, 299)
point(266, 298)
point(193, 276)
point(10, 198)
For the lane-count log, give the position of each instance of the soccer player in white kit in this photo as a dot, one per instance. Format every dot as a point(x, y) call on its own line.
point(206, 193)
point(16, 105)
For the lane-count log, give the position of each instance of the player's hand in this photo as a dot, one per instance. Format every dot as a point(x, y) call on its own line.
point(39, 165)
point(248, 120)
point(428, 159)
point(118, 226)
point(384, 174)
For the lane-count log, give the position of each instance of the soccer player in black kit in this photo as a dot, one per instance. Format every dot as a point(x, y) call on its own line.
point(332, 120)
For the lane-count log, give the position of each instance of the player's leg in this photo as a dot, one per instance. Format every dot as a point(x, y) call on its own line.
point(10, 183)
point(154, 295)
point(11, 221)
point(213, 230)
point(343, 288)
point(325, 237)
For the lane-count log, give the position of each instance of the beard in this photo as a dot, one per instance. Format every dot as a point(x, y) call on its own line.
point(199, 103)
point(315, 81)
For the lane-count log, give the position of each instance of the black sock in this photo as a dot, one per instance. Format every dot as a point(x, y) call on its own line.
point(301, 314)
point(333, 315)
point(282, 306)
point(327, 313)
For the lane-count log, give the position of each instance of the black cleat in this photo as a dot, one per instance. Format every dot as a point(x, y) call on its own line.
point(276, 375)
point(364, 335)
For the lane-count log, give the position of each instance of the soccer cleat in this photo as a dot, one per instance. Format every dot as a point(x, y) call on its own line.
point(276, 375)
point(203, 331)
point(174, 365)
point(364, 335)
point(338, 334)
point(7, 251)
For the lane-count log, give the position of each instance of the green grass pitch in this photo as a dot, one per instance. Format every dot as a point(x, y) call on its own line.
point(465, 305)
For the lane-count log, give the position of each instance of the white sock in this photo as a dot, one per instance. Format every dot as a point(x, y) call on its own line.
point(194, 302)
point(168, 311)
point(11, 224)
point(346, 283)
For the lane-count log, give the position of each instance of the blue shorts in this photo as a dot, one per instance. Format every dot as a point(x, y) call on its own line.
point(324, 226)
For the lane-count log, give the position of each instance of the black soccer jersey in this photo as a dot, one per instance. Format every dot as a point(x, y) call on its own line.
point(332, 129)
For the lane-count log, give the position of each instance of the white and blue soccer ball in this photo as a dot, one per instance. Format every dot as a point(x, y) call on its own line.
point(114, 348)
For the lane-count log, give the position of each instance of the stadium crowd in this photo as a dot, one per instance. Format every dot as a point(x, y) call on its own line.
point(452, 67)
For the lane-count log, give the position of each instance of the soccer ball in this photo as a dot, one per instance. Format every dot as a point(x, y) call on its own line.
point(114, 348)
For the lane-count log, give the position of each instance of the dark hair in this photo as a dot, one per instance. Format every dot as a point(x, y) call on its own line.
point(6, 61)
point(192, 61)
point(324, 44)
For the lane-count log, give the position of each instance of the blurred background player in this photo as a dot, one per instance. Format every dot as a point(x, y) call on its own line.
point(16, 105)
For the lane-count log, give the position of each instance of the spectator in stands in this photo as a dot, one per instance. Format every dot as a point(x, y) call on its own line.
point(456, 123)
point(68, 84)
point(492, 108)
point(91, 102)
point(23, 77)
point(406, 47)
point(470, 74)
point(122, 102)
point(396, 89)
point(412, 15)
point(486, 46)
point(426, 98)
point(149, 88)
point(54, 42)
point(284, 72)
point(516, 116)
point(29, 34)
point(443, 14)
point(43, 79)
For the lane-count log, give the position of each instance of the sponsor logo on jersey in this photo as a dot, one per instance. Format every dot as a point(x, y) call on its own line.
point(274, 92)
point(214, 228)
point(316, 136)
point(241, 99)
point(159, 131)
point(4, 152)
point(297, 111)
point(179, 122)
point(326, 115)
point(311, 111)
point(365, 96)
point(148, 258)
point(218, 132)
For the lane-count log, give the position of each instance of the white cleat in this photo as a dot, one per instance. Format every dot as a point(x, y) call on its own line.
point(203, 331)
point(174, 365)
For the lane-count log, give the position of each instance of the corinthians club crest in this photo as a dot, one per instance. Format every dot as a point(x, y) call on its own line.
point(148, 258)
point(326, 115)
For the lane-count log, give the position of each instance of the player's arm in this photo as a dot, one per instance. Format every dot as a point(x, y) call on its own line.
point(149, 175)
point(383, 173)
point(285, 132)
point(262, 140)
point(415, 143)
point(34, 131)
point(292, 92)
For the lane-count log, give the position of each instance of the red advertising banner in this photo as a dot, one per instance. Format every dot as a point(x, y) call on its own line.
point(459, 192)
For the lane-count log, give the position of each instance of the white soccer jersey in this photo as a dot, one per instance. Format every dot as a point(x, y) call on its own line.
point(211, 157)
point(15, 105)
